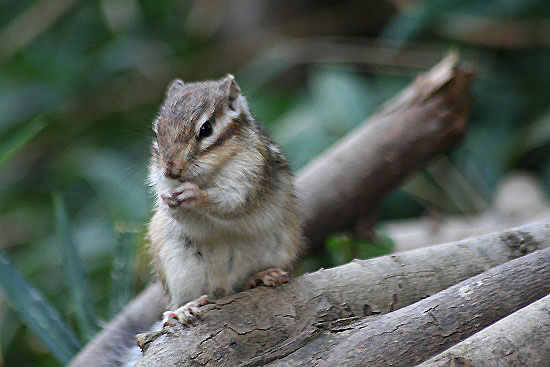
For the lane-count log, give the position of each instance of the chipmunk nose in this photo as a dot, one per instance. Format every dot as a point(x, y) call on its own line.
point(174, 173)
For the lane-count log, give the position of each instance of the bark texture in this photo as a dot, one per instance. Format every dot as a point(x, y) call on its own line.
point(521, 339)
point(424, 120)
point(296, 323)
point(416, 332)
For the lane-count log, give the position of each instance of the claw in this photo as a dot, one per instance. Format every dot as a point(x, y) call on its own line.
point(187, 314)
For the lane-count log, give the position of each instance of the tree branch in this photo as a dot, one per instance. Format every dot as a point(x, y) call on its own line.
point(348, 182)
point(414, 333)
point(519, 339)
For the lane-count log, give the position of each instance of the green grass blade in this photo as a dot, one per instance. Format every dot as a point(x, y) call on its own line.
point(35, 312)
point(123, 266)
point(74, 271)
point(10, 146)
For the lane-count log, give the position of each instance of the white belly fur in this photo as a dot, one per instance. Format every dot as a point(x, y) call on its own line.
point(223, 253)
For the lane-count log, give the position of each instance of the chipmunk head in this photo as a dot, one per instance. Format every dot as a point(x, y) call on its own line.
point(197, 130)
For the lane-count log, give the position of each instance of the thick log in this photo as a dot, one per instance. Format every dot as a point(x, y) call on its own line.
point(419, 331)
point(426, 119)
point(521, 339)
point(262, 325)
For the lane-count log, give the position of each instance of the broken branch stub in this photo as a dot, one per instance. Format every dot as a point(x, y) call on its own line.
point(343, 187)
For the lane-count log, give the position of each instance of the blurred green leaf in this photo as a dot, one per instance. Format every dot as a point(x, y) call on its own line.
point(262, 69)
point(341, 99)
point(35, 311)
point(537, 133)
point(443, 188)
point(10, 146)
point(545, 167)
point(418, 16)
point(415, 18)
point(76, 280)
point(123, 265)
point(25, 101)
point(118, 181)
point(345, 248)
point(400, 205)
point(300, 135)
point(338, 100)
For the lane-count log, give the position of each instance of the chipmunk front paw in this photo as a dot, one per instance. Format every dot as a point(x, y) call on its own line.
point(187, 195)
point(187, 314)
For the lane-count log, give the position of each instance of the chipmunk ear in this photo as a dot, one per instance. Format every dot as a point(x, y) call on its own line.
point(174, 86)
point(231, 87)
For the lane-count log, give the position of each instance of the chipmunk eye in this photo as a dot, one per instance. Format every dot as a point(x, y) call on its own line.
point(205, 130)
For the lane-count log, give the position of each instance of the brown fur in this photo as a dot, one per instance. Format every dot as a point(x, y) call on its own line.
point(246, 208)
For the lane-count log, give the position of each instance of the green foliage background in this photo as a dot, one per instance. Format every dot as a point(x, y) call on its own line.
point(80, 82)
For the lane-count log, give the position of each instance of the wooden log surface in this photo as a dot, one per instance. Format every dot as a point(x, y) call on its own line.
point(417, 332)
point(520, 339)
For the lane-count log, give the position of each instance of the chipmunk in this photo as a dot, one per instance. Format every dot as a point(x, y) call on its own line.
point(226, 214)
